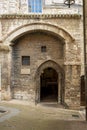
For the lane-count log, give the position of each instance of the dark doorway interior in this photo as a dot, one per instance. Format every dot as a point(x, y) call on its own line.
point(49, 85)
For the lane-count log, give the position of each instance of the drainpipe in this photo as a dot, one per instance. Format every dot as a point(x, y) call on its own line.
point(85, 58)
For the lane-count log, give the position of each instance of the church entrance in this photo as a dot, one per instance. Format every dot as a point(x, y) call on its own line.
point(49, 85)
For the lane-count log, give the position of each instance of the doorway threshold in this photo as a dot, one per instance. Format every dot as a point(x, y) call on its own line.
point(51, 104)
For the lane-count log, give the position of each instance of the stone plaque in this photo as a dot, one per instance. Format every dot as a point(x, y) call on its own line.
point(25, 71)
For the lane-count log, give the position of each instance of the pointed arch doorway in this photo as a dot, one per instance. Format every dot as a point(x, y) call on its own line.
point(49, 85)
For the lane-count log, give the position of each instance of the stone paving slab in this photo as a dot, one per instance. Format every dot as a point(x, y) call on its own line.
point(40, 117)
point(10, 112)
point(46, 110)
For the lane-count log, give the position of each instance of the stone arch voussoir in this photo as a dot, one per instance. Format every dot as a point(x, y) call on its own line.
point(47, 27)
point(47, 64)
point(43, 66)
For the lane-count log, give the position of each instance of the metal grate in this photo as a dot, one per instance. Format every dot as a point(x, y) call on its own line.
point(25, 60)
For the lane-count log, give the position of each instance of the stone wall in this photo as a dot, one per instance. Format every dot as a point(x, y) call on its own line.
point(69, 58)
point(60, 29)
point(72, 93)
point(21, 7)
point(30, 45)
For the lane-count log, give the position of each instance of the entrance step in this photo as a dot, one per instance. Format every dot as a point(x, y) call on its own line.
point(52, 104)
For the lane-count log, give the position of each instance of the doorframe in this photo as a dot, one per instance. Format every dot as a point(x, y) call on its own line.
point(60, 72)
point(46, 85)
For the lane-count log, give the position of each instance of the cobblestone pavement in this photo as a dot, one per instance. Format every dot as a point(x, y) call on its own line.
point(41, 117)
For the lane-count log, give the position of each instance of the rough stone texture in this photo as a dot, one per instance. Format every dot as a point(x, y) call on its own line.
point(21, 7)
point(30, 45)
point(72, 84)
point(24, 35)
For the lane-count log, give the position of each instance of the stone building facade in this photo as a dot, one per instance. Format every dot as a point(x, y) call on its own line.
point(41, 51)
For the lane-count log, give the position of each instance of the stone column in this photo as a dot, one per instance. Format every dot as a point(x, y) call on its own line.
point(59, 88)
point(9, 92)
point(37, 91)
point(0, 82)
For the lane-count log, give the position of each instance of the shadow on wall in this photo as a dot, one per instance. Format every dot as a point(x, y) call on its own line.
point(82, 90)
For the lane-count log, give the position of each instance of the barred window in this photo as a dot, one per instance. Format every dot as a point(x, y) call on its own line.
point(43, 49)
point(25, 60)
point(35, 6)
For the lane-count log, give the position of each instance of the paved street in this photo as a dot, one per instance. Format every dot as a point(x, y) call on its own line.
point(25, 116)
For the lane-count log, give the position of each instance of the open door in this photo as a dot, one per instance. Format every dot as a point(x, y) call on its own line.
point(49, 85)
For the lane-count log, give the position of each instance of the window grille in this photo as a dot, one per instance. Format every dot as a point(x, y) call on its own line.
point(25, 60)
point(43, 49)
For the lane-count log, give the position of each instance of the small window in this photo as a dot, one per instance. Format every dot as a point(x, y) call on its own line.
point(35, 6)
point(43, 49)
point(25, 60)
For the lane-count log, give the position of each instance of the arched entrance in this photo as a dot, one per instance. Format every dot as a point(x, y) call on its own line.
point(49, 85)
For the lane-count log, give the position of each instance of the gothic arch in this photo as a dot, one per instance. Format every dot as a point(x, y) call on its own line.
point(52, 64)
point(60, 72)
point(38, 26)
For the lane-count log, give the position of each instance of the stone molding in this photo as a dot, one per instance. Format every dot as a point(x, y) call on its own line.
point(72, 63)
point(57, 68)
point(39, 16)
point(35, 26)
point(49, 63)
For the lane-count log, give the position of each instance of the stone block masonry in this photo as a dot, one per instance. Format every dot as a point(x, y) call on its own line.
point(23, 34)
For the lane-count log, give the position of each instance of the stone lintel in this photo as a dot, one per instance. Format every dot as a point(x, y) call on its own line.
point(39, 16)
